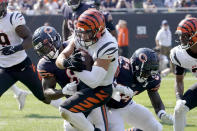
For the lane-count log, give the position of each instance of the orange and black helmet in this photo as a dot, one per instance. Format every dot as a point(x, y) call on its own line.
point(187, 32)
point(90, 27)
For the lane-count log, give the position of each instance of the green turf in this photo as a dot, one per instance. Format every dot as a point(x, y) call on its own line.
point(37, 116)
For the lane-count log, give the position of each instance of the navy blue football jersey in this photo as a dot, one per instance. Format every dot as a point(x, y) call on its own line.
point(71, 16)
point(125, 76)
point(108, 21)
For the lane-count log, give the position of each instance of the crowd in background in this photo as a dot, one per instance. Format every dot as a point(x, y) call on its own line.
point(37, 7)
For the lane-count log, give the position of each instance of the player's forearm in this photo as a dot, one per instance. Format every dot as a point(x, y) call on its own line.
point(27, 42)
point(179, 89)
point(53, 94)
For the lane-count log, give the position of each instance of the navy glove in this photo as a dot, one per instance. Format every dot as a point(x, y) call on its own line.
point(74, 63)
point(8, 50)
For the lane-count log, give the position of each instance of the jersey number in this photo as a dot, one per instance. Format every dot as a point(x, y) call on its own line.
point(4, 39)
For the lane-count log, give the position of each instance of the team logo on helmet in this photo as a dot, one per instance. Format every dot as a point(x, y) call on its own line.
point(143, 57)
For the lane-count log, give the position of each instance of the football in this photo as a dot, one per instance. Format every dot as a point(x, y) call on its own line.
point(87, 60)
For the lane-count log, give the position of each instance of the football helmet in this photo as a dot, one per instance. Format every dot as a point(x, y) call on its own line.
point(3, 8)
point(145, 64)
point(90, 27)
point(74, 4)
point(187, 32)
point(46, 42)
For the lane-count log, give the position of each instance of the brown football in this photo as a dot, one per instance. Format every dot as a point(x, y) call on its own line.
point(87, 60)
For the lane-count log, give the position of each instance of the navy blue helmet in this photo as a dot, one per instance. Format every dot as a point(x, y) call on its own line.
point(3, 8)
point(46, 42)
point(145, 63)
point(74, 4)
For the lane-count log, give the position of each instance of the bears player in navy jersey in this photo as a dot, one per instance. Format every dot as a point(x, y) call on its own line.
point(184, 57)
point(14, 63)
point(140, 73)
point(47, 43)
point(108, 18)
point(74, 8)
point(71, 11)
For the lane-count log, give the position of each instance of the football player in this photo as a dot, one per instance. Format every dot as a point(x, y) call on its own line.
point(71, 11)
point(15, 38)
point(140, 73)
point(184, 57)
point(47, 43)
point(74, 8)
point(95, 87)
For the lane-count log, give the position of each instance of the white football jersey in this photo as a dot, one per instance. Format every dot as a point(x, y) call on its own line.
point(181, 58)
point(105, 48)
point(8, 37)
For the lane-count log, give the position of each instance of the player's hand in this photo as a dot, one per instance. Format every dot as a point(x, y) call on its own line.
point(74, 63)
point(8, 50)
point(167, 119)
point(70, 88)
point(124, 90)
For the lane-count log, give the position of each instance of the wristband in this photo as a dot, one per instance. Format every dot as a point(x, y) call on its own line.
point(160, 113)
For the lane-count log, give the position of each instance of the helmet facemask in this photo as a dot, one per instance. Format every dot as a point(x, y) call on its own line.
point(49, 48)
point(86, 38)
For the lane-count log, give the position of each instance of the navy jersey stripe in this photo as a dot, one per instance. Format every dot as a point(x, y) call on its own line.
point(105, 45)
point(177, 60)
point(11, 18)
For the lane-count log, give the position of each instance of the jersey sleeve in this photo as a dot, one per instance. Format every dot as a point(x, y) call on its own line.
point(17, 19)
point(45, 68)
point(174, 58)
point(154, 85)
point(108, 51)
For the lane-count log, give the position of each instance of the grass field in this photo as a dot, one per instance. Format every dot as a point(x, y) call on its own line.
point(37, 116)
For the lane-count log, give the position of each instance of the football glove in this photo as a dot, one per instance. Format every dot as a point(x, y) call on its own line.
point(124, 90)
point(74, 63)
point(8, 50)
point(70, 88)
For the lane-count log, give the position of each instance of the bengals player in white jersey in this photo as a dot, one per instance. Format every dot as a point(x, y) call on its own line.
point(15, 66)
point(184, 56)
point(95, 87)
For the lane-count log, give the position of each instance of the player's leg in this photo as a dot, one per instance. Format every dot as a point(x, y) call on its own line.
point(30, 79)
point(187, 103)
point(98, 117)
point(20, 96)
point(6, 81)
point(140, 117)
point(115, 121)
point(84, 101)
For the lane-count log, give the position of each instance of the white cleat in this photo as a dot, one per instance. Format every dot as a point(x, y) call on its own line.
point(21, 99)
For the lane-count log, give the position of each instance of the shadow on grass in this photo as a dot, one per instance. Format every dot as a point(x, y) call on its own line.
point(42, 117)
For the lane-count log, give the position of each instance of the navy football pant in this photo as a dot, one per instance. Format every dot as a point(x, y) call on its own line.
point(191, 97)
point(24, 73)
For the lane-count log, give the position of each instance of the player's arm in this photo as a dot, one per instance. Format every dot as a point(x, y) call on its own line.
point(105, 56)
point(179, 83)
point(49, 85)
point(110, 25)
point(159, 107)
point(156, 101)
point(63, 57)
point(94, 77)
point(24, 32)
point(65, 30)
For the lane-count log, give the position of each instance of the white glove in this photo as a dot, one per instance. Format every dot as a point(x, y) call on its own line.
point(70, 88)
point(165, 118)
point(124, 90)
